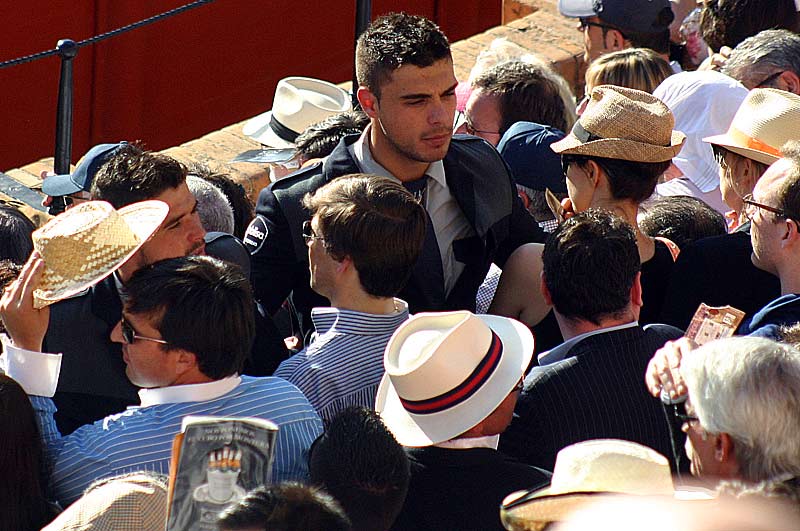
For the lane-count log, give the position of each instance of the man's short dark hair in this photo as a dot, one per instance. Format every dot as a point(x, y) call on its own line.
point(394, 40)
point(728, 22)
point(627, 179)
point(199, 304)
point(132, 175)
point(789, 195)
point(285, 507)
point(376, 223)
point(319, 139)
point(681, 219)
point(590, 264)
point(16, 243)
point(759, 57)
point(526, 93)
point(361, 464)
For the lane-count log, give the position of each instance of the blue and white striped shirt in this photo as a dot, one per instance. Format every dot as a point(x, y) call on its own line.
point(140, 438)
point(344, 364)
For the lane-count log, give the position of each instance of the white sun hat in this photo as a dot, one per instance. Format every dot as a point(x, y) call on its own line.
point(446, 372)
point(299, 102)
point(90, 241)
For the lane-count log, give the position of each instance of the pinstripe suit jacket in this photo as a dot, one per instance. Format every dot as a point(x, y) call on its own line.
point(597, 391)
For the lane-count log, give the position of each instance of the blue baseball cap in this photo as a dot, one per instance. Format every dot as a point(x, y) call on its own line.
point(643, 16)
point(526, 149)
point(81, 179)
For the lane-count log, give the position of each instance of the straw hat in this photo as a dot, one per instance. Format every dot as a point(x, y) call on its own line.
point(90, 241)
point(627, 124)
point(586, 469)
point(299, 102)
point(446, 372)
point(766, 119)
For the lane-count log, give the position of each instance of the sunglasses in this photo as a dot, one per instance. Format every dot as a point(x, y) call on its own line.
point(129, 335)
point(584, 23)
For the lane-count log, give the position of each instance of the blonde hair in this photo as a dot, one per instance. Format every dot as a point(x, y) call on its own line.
point(636, 68)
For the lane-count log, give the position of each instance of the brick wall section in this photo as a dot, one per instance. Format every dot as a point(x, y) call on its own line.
point(541, 30)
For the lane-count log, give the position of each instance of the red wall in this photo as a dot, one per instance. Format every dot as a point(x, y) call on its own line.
point(182, 77)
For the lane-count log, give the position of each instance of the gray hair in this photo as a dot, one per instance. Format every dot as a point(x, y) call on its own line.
point(215, 211)
point(764, 54)
point(749, 388)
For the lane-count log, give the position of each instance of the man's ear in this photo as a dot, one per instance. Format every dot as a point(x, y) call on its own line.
point(614, 40)
point(187, 361)
point(594, 173)
point(791, 236)
point(344, 265)
point(636, 291)
point(790, 82)
point(548, 299)
point(368, 101)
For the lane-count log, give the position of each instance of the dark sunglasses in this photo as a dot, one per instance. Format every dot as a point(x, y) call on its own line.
point(129, 335)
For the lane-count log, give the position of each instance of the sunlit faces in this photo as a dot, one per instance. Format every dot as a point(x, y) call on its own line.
point(580, 186)
point(181, 234)
point(412, 119)
point(482, 116)
point(700, 447)
point(148, 364)
point(321, 265)
point(767, 228)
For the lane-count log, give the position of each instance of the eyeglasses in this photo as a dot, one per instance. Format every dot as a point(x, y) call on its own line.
point(309, 234)
point(769, 79)
point(584, 23)
point(750, 206)
point(462, 118)
point(129, 335)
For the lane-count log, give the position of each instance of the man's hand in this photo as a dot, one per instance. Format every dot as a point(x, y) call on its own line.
point(663, 371)
point(717, 60)
point(25, 325)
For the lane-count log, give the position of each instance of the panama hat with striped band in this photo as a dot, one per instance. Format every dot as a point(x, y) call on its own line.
point(90, 241)
point(765, 121)
point(624, 124)
point(446, 372)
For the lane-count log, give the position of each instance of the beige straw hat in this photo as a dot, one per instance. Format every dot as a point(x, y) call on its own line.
point(765, 121)
point(585, 470)
point(625, 124)
point(90, 241)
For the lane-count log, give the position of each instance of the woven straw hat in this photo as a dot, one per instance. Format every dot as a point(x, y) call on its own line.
point(87, 243)
point(585, 470)
point(446, 372)
point(765, 121)
point(624, 124)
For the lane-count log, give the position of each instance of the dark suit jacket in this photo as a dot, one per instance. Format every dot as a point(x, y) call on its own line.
point(477, 178)
point(717, 271)
point(461, 490)
point(92, 383)
point(596, 392)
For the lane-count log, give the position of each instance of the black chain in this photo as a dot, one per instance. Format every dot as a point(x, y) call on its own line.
point(106, 35)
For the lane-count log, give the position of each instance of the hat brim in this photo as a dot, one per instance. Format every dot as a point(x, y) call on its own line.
point(59, 185)
point(426, 430)
point(144, 219)
point(728, 143)
point(620, 148)
point(576, 8)
point(258, 128)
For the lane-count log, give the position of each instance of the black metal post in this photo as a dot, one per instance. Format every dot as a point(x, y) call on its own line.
point(363, 17)
point(67, 49)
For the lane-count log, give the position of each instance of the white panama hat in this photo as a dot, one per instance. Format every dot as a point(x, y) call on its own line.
point(446, 372)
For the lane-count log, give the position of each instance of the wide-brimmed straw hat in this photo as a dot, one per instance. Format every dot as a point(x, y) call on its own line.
point(90, 241)
point(625, 124)
point(446, 372)
point(766, 119)
point(299, 102)
point(587, 469)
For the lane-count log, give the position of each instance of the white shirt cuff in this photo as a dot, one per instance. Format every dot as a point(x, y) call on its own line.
point(36, 372)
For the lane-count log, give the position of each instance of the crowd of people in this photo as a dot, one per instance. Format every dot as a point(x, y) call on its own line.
point(465, 305)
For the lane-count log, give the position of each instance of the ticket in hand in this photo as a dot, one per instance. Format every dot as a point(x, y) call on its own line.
point(710, 323)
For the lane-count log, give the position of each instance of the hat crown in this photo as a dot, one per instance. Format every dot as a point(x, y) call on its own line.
point(431, 361)
point(611, 465)
point(770, 116)
point(619, 112)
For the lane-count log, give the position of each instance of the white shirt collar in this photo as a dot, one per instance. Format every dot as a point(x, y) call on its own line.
point(176, 394)
point(363, 155)
point(490, 441)
point(558, 353)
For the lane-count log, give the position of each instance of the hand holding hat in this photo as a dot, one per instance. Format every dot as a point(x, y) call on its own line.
point(25, 324)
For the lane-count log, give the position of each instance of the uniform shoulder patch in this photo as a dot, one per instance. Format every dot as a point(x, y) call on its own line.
point(256, 234)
